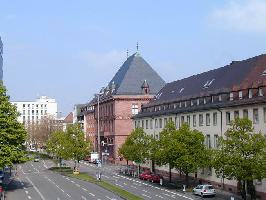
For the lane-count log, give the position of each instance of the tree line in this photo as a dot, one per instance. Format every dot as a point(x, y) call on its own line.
point(240, 155)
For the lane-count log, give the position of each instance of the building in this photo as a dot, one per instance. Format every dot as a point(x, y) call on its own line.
point(208, 102)
point(133, 85)
point(1, 60)
point(33, 111)
point(67, 121)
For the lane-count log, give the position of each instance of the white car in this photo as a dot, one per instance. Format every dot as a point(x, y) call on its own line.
point(204, 190)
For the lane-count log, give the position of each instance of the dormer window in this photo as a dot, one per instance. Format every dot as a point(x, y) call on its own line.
point(212, 99)
point(264, 73)
point(220, 97)
point(260, 93)
point(204, 100)
point(185, 104)
point(231, 96)
point(250, 93)
point(208, 83)
point(180, 104)
point(198, 101)
point(181, 90)
point(191, 103)
point(240, 95)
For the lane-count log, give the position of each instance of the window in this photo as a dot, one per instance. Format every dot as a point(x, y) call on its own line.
point(236, 114)
point(231, 96)
point(194, 120)
point(200, 120)
point(23, 112)
point(37, 105)
point(191, 103)
point(182, 119)
point(147, 124)
point(260, 94)
point(45, 112)
point(198, 101)
point(245, 113)
point(151, 124)
point(165, 121)
point(250, 93)
point(24, 105)
point(264, 114)
point(255, 116)
point(215, 141)
point(28, 105)
point(136, 125)
point(24, 119)
point(227, 118)
point(32, 112)
point(212, 99)
point(37, 112)
point(134, 109)
point(156, 123)
point(32, 118)
point(220, 97)
point(142, 123)
point(214, 115)
point(28, 112)
point(240, 95)
point(160, 123)
point(204, 100)
point(208, 119)
point(188, 120)
point(41, 112)
point(176, 122)
point(208, 141)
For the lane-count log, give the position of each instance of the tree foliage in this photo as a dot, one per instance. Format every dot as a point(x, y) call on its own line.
point(242, 154)
point(12, 133)
point(137, 146)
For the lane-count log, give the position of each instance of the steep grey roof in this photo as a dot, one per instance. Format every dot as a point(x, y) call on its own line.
point(219, 80)
point(132, 74)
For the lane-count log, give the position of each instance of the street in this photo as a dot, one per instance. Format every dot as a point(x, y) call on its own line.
point(141, 188)
point(35, 181)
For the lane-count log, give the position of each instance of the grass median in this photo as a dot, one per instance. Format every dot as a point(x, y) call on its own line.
point(84, 176)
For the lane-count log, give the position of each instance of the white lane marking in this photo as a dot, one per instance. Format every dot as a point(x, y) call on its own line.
point(159, 196)
point(83, 198)
point(92, 194)
point(166, 194)
point(144, 190)
point(77, 185)
point(134, 187)
point(37, 190)
point(29, 197)
point(146, 196)
point(119, 185)
point(84, 189)
point(58, 198)
point(27, 192)
point(68, 195)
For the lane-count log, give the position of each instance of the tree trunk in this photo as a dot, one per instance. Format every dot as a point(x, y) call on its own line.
point(244, 194)
point(187, 179)
point(152, 166)
point(127, 162)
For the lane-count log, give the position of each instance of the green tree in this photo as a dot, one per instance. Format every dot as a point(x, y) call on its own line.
point(167, 147)
point(12, 133)
point(77, 146)
point(192, 153)
point(242, 154)
point(57, 144)
point(136, 146)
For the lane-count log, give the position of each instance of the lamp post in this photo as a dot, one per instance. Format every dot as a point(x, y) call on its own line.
point(98, 122)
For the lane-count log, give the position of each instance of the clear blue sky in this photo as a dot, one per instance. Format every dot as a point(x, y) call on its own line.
point(68, 50)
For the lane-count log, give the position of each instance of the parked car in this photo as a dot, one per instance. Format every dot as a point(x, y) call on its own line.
point(154, 178)
point(204, 190)
point(145, 175)
point(37, 159)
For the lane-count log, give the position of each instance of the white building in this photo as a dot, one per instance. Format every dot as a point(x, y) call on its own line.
point(208, 102)
point(33, 111)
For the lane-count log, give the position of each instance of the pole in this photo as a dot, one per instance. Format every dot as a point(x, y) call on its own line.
point(98, 125)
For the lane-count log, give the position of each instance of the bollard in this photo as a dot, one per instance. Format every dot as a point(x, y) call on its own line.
point(161, 181)
point(184, 188)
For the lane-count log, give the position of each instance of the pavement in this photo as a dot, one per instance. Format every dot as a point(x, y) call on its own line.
point(34, 181)
point(142, 188)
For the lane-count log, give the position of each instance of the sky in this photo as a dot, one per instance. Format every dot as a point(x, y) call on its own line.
point(68, 50)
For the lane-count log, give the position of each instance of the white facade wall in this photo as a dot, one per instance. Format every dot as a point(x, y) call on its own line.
point(33, 111)
point(213, 130)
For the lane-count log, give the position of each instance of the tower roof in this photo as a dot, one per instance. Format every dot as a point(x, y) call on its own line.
point(132, 74)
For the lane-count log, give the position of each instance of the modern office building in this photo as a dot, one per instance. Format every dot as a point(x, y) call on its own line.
point(1, 59)
point(208, 102)
point(33, 111)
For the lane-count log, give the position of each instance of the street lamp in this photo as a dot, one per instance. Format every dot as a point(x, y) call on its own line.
point(98, 121)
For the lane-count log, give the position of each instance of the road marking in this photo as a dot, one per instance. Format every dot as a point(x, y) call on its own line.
point(84, 198)
point(159, 196)
point(29, 197)
point(146, 196)
point(27, 192)
point(92, 194)
point(68, 195)
point(37, 190)
point(58, 198)
point(84, 189)
point(77, 185)
point(134, 187)
point(119, 185)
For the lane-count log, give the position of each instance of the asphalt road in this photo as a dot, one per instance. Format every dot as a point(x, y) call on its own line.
point(34, 181)
point(141, 188)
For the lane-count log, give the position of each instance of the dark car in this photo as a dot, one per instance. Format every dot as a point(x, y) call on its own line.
point(154, 178)
point(1, 192)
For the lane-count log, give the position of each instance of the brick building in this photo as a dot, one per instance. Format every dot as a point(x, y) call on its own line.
point(133, 85)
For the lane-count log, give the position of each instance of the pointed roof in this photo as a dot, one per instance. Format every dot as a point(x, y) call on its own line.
point(69, 118)
point(131, 75)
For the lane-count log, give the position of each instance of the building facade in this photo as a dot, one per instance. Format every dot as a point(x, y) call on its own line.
point(33, 111)
point(133, 85)
point(208, 102)
point(1, 60)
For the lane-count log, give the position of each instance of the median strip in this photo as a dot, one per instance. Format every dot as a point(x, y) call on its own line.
point(83, 176)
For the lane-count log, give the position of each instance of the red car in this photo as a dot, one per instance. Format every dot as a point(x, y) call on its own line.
point(154, 178)
point(145, 175)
